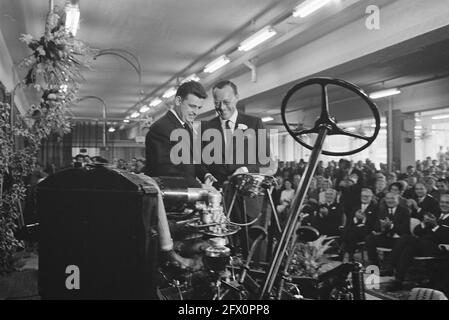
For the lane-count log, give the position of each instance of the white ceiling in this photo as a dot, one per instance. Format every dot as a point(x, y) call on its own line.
point(174, 38)
point(168, 36)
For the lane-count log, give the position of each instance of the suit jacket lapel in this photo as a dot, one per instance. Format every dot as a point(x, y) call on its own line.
point(170, 116)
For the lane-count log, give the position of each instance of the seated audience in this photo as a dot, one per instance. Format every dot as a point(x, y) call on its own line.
point(434, 231)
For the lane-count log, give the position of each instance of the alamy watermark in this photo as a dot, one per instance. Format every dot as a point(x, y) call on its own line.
point(214, 146)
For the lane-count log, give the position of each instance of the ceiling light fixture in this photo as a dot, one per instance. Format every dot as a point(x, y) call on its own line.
point(192, 77)
point(384, 93)
point(126, 121)
point(155, 102)
point(267, 119)
point(169, 93)
point(441, 117)
point(144, 109)
point(135, 114)
point(217, 64)
point(111, 129)
point(257, 38)
point(308, 7)
point(72, 17)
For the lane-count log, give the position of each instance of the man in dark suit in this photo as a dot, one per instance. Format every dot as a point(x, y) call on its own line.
point(364, 217)
point(424, 202)
point(432, 232)
point(230, 123)
point(392, 222)
point(329, 219)
point(235, 157)
point(159, 157)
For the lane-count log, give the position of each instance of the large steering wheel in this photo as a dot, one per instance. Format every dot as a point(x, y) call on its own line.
point(325, 120)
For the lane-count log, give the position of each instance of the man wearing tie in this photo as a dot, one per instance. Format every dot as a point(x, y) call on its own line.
point(424, 202)
point(188, 101)
point(330, 218)
point(433, 231)
point(230, 122)
point(361, 224)
point(392, 222)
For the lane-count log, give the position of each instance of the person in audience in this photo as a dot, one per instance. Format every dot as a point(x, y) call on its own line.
point(78, 161)
point(423, 202)
point(329, 219)
point(434, 231)
point(285, 200)
point(140, 166)
point(296, 180)
point(349, 187)
point(430, 183)
point(442, 186)
point(325, 185)
point(409, 192)
point(380, 189)
point(361, 224)
point(396, 188)
point(391, 178)
point(392, 221)
point(313, 190)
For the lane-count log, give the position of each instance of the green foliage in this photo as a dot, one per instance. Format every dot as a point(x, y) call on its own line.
point(309, 258)
point(53, 68)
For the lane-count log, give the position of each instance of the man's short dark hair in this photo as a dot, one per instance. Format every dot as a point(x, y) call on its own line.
point(223, 83)
point(191, 87)
point(397, 185)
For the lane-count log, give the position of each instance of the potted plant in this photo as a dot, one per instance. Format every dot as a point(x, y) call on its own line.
point(310, 260)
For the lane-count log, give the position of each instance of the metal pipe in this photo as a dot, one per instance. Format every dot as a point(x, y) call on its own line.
point(104, 111)
point(294, 213)
point(390, 135)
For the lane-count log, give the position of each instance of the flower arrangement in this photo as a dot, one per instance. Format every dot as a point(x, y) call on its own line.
point(310, 258)
point(54, 68)
point(57, 57)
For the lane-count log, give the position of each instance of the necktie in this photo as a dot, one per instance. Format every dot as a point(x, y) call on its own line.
point(189, 129)
point(228, 150)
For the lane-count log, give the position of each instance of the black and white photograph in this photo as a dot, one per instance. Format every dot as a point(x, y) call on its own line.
point(227, 158)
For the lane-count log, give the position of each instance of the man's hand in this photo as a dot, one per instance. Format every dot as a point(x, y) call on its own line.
point(412, 204)
point(209, 180)
point(359, 215)
point(430, 220)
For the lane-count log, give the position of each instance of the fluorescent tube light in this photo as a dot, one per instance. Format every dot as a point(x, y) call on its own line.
point(267, 119)
point(441, 117)
point(192, 77)
point(72, 18)
point(308, 7)
point(155, 102)
point(169, 93)
point(257, 38)
point(144, 109)
point(217, 64)
point(384, 93)
point(135, 114)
